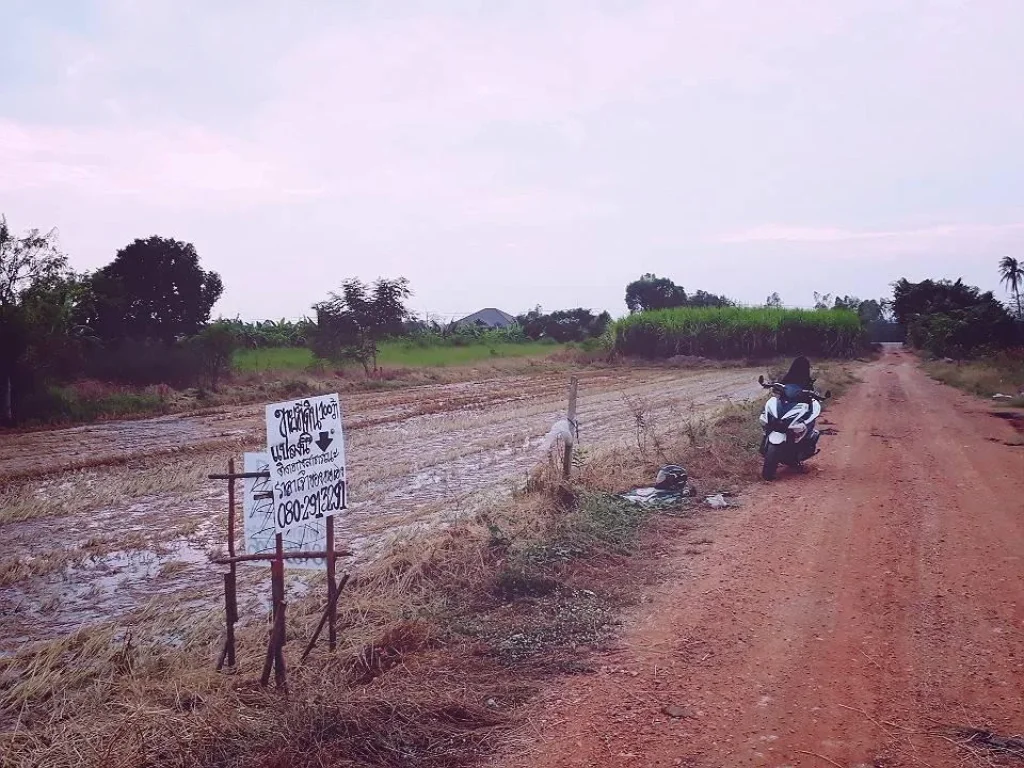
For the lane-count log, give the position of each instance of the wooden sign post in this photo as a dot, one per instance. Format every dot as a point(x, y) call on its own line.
point(230, 581)
point(304, 481)
point(332, 588)
point(574, 383)
point(274, 661)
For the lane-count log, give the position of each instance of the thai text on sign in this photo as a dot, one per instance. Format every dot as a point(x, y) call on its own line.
point(307, 460)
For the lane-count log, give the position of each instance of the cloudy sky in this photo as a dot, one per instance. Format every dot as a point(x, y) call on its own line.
point(518, 153)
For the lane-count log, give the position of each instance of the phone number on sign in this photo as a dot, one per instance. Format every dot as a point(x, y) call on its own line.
point(325, 501)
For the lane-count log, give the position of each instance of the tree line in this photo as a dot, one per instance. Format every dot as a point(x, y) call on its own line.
point(144, 319)
point(351, 324)
point(952, 319)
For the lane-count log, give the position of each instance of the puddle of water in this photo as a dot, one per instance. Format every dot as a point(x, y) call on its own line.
point(104, 586)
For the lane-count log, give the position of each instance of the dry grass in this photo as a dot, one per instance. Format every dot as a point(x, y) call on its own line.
point(14, 569)
point(81, 490)
point(173, 568)
point(1002, 374)
point(103, 697)
point(127, 462)
point(428, 668)
point(440, 638)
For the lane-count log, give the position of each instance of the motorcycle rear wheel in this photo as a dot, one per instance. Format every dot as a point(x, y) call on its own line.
point(772, 459)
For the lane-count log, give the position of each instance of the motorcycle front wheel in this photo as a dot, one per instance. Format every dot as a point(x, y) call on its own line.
point(772, 459)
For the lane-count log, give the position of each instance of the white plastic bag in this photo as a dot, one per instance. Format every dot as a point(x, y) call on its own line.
point(563, 430)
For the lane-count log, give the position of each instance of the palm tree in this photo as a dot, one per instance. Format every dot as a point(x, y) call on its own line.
point(1012, 273)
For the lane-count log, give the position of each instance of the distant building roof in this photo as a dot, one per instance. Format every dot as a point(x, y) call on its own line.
point(489, 317)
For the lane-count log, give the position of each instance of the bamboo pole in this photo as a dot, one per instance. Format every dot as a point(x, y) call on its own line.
point(571, 416)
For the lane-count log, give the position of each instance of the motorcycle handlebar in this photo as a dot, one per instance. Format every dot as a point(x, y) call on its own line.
point(777, 387)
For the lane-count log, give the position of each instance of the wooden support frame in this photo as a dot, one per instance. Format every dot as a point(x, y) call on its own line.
point(270, 556)
point(274, 661)
point(330, 614)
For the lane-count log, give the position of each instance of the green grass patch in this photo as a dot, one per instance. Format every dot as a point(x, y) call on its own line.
point(565, 611)
point(90, 401)
point(740, 332)
point(601, 523)
point(395, 354)
point(408, 355)
point(273, 359)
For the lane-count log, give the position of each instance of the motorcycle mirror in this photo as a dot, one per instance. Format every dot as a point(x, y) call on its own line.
point(760, 380)
point(828, 393)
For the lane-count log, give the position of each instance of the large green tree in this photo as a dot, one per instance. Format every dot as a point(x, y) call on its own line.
point(154, 289)
point(951, 318)
point(912, 300)
point(31, 267)
point(653, 292)
point(352, 323)
point(564, 325)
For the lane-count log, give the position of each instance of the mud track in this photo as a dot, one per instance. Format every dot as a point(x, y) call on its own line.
point(134, 516)
point(847, 617)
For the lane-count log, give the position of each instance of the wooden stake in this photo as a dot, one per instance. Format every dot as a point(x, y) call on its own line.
point(330, 610)
point(332, 626)
point(231, 580)
point(231, 616)
point(231, 509)
point(275, 645)
point(227, 655)
point(277, 573)
point(279, 607)
point(222, 657)
point(268, 659)
point(571, 416)
point(280, 679)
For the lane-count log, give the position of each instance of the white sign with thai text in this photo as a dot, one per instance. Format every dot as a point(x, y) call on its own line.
point(258, 518)
point(307, 460)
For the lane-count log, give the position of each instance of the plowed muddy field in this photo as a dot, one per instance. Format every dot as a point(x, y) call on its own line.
point(116, 522)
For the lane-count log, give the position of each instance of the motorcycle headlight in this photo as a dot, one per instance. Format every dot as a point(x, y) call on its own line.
point(798, 428)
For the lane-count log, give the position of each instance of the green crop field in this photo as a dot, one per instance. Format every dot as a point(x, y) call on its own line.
point(405, 355)
point(396, 354)
point(273, 359)
point(736, 332)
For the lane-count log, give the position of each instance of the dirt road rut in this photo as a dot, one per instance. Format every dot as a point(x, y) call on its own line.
point(843, 617)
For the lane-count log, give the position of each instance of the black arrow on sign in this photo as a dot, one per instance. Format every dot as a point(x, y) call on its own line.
point(324, 441)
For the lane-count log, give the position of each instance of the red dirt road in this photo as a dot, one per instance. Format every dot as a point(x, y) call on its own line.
point(843, 617)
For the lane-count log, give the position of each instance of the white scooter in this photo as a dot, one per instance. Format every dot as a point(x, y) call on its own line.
point(788, 421)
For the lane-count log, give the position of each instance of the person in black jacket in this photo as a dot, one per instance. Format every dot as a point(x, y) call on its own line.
point(799, 373)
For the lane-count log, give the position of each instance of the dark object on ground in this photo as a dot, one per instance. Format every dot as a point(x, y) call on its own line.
point(671, 477)
point(671, 488)
point(656, 499)
point(1009, 744)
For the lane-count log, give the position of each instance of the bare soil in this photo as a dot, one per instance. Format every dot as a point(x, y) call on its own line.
point(855, 615)
point(101, 521)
